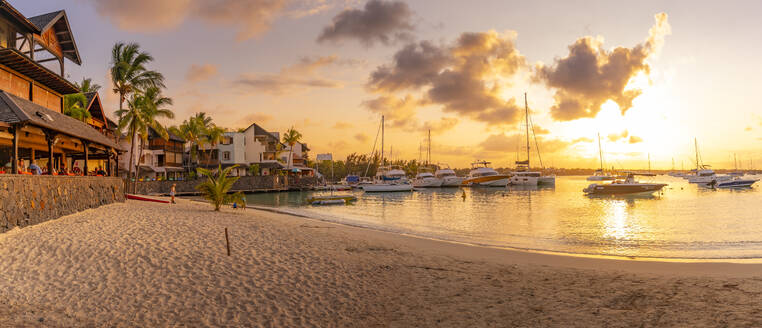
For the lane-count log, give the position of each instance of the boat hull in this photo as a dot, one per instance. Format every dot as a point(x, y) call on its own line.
point(517, 180)
point(546, 181)
point(487, 181)
point(599, 178)
point(427, 183)
point(623, 188)
point(737, 183)
point(452, 181)
point(708, 179)
point(387, 187)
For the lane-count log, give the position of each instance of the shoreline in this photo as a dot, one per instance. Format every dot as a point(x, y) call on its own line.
point(151, 264)
point(736, 260)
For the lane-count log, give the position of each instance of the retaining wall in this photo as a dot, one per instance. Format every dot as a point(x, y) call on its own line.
point(26, 200)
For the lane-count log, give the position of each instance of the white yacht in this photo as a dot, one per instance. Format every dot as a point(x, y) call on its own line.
point(483, 175)
point(703, 173)
point(599, 174)
point(523, 176)
point(426, 179)
point(448, 177)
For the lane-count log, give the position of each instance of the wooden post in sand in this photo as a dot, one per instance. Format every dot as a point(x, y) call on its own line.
point(227, 241)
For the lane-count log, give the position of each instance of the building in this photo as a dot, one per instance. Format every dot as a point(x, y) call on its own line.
point(253, 145)
point(33, 128)
point(160, 159)
point(299, 157)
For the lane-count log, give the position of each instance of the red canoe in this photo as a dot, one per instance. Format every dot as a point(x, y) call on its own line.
point(145, 199)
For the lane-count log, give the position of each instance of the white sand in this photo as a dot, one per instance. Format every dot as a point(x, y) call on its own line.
point(148, 264)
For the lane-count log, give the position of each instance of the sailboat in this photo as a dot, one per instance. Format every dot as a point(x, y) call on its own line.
point(523, 176)
point(599, 174)
point(425, 177)
point(388, 177)
point(704, 174)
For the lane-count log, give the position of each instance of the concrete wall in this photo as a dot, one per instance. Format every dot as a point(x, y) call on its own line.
point(26, 200)
point(247, 184)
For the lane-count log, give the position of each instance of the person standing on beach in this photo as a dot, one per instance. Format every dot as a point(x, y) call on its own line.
point(172, 193)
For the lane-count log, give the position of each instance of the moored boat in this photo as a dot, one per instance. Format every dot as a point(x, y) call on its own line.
point(448, 177)
point(627, 186)
point(426, 180)
point(483, 175)
point(735, 182)
point(523, 176)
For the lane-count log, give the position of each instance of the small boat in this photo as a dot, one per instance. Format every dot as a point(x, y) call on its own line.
point(426, 180)
point(448, 177)
point(483, 175)
point(627, 186)
point(388, 178)
point(599, 174)
point(145, 199)
point(735, 182)
point(331, 200)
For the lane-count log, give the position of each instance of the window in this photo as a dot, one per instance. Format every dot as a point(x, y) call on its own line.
point(226, 155)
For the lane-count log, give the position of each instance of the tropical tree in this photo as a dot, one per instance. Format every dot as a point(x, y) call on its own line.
point(254, 169)
point(151, 104)
point(87, 85)
point(129, 73)
point(216, 188)
point(291, 138)
point(214, 135)
point(75, 105)
point(193, 130)
point(132, 120)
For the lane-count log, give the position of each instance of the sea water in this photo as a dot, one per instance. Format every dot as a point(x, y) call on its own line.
point(684, 221)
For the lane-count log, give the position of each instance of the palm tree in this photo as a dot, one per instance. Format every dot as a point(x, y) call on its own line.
point(151, 105)
point(291, 138)
point(217, 187)
point(214, 135)
point(129, 73)
point(133, 121)
point(75, 105)
point(87, 85)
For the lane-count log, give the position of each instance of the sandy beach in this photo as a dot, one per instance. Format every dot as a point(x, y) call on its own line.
point(153, 265)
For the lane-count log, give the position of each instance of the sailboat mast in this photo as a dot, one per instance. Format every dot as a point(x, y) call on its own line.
point(735, 161)
point(649, 162)
point(526, 119)
point(695, 144)
point(600, 150)
point(428, 152)
point(382, 139)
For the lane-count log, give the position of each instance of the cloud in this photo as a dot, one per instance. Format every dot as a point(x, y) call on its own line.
point(342, 125)
point(502, 143)
point(250, 18)
point(398, 112)
point(198, 73)
point(539, 130)
point(582, 139)
point(590, 75)
point(466, 78)
point(362, 137)
point(614, 137)
point(747, 129)
point(301, 75)
point(256, 118)
point(438, 127)
point(379, 21)
point(635, 139)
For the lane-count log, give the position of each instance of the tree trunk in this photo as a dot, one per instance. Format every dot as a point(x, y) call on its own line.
point(132, 158)
point(137, 166)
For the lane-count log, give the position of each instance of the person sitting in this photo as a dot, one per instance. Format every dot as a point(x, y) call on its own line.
point(36, 170)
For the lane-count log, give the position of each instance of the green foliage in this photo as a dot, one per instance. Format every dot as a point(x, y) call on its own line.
point(87, 85)
point(254, 169)
point(75, 105)
point(291, 138)
point(217, 187)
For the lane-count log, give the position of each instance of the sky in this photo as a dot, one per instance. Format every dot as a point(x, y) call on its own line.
point(648, 76)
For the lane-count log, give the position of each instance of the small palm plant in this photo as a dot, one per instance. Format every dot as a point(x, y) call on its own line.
point(217, 187)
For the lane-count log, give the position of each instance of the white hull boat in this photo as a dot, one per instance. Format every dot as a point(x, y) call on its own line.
point(448, 177)
point(482, 175)
point(387, 187)
point(426, 180)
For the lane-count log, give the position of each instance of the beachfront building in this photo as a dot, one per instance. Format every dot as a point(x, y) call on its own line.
point(253, 145)
point(160, 159)
point(298, 162)
point(33, 128)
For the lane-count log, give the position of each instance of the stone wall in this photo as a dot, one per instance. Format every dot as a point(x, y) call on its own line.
point(245, 184)
point(26, 200)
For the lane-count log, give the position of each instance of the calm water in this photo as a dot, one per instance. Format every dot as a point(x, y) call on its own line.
point(685, 221)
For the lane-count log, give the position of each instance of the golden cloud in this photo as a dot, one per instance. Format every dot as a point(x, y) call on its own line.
point(197, 73)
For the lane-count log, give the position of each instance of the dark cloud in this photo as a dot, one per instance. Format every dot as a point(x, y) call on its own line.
point(398, 112)
point(379, 21)
point(591, 75)
point(465, 78)
point(362, 137)
point(441, 126)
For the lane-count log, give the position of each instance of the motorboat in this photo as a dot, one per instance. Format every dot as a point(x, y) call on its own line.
point(481, 175)
point(624, 187)
point(707, 175)
point(523, 176)
point(331, 200)
point(448, 177)
point(426, 180)
point(734, 182)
